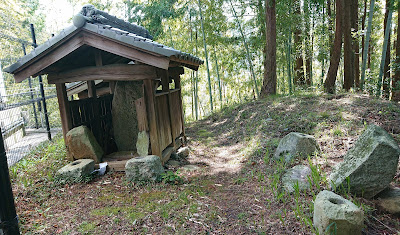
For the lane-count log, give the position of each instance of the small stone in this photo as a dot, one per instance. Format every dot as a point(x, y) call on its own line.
point(334, 213)
point(295, 145)
point(190, 168)
point(143, 143)
point(389, 200)
point(368, 167)
point(82, 144)
point(173, 163)
point(77, 169)
point(298, 174)
point(148, 168)
point(183, 152)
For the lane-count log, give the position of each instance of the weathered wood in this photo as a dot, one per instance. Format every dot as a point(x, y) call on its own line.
point(163, 121)
point(126, 51)
point(165, 88)
point(141, 114)
point(98, 58)
point(189, 64)
point(80, 87)
point(112, 72)
point(152, 119)
point(177, 116)
point(63, 106)
point(91, 89)
point(41, 62)
point(111, 85)
point(180, 103)
point(166, 154)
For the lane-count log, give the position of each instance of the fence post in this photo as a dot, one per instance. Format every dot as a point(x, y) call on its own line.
point(30, 91)
point(46, 117)
point(8, 214)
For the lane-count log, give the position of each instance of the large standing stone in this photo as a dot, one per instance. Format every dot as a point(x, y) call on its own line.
point(389, 200)
point(295, 145)
point(297, 175)
point(148, 168)
point(77, 169)
point(333, 212)
point(124, 115)
point(369, 166)
point(82, 144)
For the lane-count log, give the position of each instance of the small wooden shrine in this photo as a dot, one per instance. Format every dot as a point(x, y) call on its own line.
point(125, 83)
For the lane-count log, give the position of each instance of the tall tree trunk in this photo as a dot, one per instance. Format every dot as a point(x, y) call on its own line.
point(367, 48)
point(299, 79)
point(381, 78)
point(386, 72)
point(396, 76)
point(330, 20)
point(364, 17)
point(269, 82)
point(356, 43)
point(336, 50)
point(348, 48)
point(309, 24)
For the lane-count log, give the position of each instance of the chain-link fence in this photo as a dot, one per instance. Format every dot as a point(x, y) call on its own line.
point(24, 106)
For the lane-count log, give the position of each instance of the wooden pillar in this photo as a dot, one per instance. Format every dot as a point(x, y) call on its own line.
point(111, 84)
point(178, 86)
point(63, 105)
point(165, 88)
point(91, 89)
point(149, 94)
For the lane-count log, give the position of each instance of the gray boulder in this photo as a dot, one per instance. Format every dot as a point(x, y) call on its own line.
point(148, 168)
point(124, 114)
point(77, 169)
point(143, 143)
point(295, 145)
point(183, 152)
point(82, 144)
point(297, 175)
point(389, 200)
point(369, 166)
point(333, 212)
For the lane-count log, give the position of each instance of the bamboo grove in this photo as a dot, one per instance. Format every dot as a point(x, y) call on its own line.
point(255, 48)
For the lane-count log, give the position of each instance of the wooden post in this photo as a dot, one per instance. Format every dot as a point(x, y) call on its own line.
point(111, 84)
point(178, 86)
point(63, 105)
point(165, 88)
point(151, 112)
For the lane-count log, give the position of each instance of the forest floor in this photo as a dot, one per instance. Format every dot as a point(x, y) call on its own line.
point(236, 189)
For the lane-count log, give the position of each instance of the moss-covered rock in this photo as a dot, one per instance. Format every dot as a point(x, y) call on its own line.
point(295, 145)
point(82, 144)
point(369, 166)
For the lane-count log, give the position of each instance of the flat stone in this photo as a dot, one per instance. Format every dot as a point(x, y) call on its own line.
point(389, 200)
point(368, 167)
point(296, 175)
point(143, 143)
point(147, 168)
point(124, 114)
point(82, 144)
point(333, 211)
point(77, 169)
point(183, 152)
point(190, 168)
point(173, 163)
point(295, 145)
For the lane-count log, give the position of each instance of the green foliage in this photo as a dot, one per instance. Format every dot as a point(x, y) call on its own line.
point(171, 177)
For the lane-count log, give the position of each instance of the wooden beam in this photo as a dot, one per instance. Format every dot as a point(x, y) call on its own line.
point(165, 88)
point(36, 66)
point(118, 48)
point(112, 72)
point(111, 85)
point(151, 113)
point(178, 86)
point(91, 89)
point(63, 105)
point(186, 63)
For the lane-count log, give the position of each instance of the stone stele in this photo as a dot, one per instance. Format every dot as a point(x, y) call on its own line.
point(295, 145)
point(125, 123)
point(82, 144)
point(148, 168)
point(297, 175)
point(368, 167)
point(333, 212)
point(77, 169)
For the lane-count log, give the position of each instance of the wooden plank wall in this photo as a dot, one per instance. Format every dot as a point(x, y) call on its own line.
point(176, 114)
point(163, 121)
point(95, 113)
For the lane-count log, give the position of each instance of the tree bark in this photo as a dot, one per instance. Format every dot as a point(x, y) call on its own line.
point(396, 76)
point(363, 19)
point(329, 84)
point(386, 72)
point(299, 79)
point(348, 48)
point(269, 82)
point(356, 43)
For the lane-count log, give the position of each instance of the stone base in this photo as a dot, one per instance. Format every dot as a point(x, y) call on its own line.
point(148, 168)
point(77, 169)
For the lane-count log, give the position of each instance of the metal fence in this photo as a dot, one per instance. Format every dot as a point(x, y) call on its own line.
point(28, 111)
